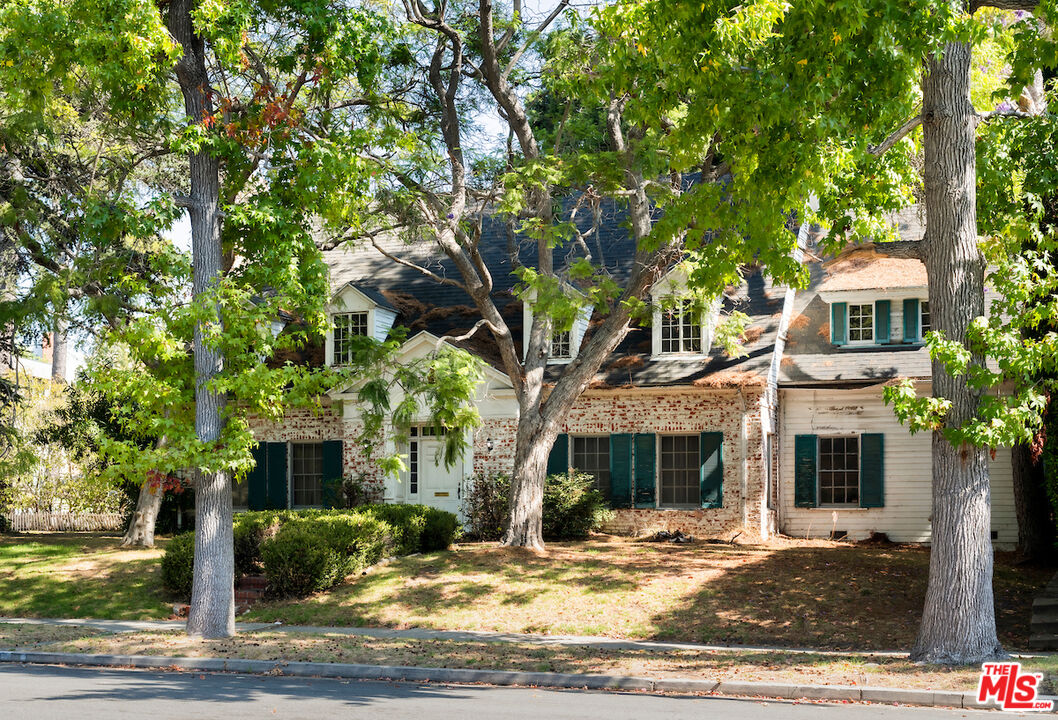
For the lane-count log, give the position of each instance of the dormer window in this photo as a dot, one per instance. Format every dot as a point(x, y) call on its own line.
point(861, 323)
point(681, 329)
point(561, 348)
point(346, 327)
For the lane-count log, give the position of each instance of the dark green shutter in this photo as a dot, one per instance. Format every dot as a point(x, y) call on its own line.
point(711, 447)
point(872, 470)
point(276, 491)
point(257, 479)
point(881, 322)
point(645, 447)
point(805, 447)
point(839, 313)
point(621, 470)
point(911, 320)
point(558, 460)
point(332, 474)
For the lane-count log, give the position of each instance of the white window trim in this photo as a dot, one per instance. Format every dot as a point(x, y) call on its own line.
point(527, 327)
point(873, 327)
point(368, 324)
point(921, 326)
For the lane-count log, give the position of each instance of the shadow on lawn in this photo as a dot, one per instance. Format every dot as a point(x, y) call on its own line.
point(836, 598)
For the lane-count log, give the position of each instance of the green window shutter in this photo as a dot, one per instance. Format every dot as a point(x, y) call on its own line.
point(621, 470)
point(277, 483)
point(881, 322)
point(332, 473)
point(711, 447)
point(805, 447)
point(257, 479)
point(911, 320)
point(872, 470)
point(839, 314)
point(558, 460)
point(645, 451)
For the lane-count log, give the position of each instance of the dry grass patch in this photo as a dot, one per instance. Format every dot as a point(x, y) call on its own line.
point(748, 666)
point(787, 593)
point(23, 635)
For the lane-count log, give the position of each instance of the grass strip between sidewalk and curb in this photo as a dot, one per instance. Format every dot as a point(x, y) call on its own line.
point(832, 693)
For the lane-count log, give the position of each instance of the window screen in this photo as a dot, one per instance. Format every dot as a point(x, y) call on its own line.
point(680, 471)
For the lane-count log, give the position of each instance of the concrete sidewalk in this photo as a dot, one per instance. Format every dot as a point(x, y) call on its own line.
point(596, 642)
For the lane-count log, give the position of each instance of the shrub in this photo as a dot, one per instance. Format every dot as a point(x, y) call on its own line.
point(485, 506)
point(407, 521)
point(440, 530)
point(299, 561)
point(572, 506)
point(178, 565)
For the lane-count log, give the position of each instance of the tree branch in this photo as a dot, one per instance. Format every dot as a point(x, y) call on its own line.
point(465, 336)
point(1029, 5)
point(900, 134)
point(418, 268)
point(907, 249)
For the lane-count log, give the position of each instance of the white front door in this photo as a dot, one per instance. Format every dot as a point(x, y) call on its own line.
point(432, 483)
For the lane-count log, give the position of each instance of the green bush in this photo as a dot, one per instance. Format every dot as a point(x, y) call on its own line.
point(407, 521)
point(178, 565)
point(440, 530)
point(299, 560)
point(572, 506)
point(486, 506)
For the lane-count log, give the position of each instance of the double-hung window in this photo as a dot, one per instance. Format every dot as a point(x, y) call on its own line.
point(924, 325)
point(839, 470)
point(591, 455)
point(681, 329)
point(306, 474)
point(680, 471)
point(346, 327)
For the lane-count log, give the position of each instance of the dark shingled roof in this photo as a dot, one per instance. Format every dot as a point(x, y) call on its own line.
point(423, 303)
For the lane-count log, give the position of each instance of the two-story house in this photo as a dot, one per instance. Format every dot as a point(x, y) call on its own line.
point(791, 437)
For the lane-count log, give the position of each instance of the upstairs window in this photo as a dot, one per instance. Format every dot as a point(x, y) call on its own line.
point(346, 327)
point(681, 329)
point(861, 323)
point(924, 327)
point(561, 347)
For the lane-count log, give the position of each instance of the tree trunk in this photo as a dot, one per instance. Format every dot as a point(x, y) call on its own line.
point(1035, 526)
point(212, 612)
point(59, 350)
point(958, 620)
point(140, 532)
point(532, 447)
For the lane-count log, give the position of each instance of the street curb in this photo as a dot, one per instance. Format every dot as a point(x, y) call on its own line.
point(569, 681)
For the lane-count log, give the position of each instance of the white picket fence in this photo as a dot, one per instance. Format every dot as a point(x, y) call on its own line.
point(23, 522)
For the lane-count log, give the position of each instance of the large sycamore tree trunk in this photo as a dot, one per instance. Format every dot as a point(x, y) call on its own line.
point(140, 532)
point(212, 613)
point(59, 350)
point(958, 620)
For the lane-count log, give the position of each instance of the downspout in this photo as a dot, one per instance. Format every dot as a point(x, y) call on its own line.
point(772, 391)
point(743, 443)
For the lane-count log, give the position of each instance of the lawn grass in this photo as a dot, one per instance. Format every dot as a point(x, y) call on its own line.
point(79, 575)
point(787, 593)
point(744, 666)
point(23, 635)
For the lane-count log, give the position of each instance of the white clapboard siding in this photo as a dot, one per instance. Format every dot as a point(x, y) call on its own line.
point(905, 517)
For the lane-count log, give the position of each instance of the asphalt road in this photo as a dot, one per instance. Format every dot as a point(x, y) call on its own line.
point(34, 692)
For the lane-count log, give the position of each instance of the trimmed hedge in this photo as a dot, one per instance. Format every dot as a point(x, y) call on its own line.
point(304, 551)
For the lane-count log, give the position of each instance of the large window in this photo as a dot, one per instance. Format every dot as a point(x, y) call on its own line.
point(681, 329)
point(861, 323)
point(680, 471)
point(592, 455)
point(560, 345)
point(346, 327)
point(925, 322)
point(839, 470)
point(306, 474)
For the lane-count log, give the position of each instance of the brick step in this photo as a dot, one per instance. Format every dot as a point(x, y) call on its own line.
point(1043, 641)
point(253, 581)
point(1044, 624)
point(249, 595)
point(1044, 601)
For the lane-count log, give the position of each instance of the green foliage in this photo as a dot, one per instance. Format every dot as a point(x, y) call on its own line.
point(572, 506)
point(178, 565)
point(301, 559)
